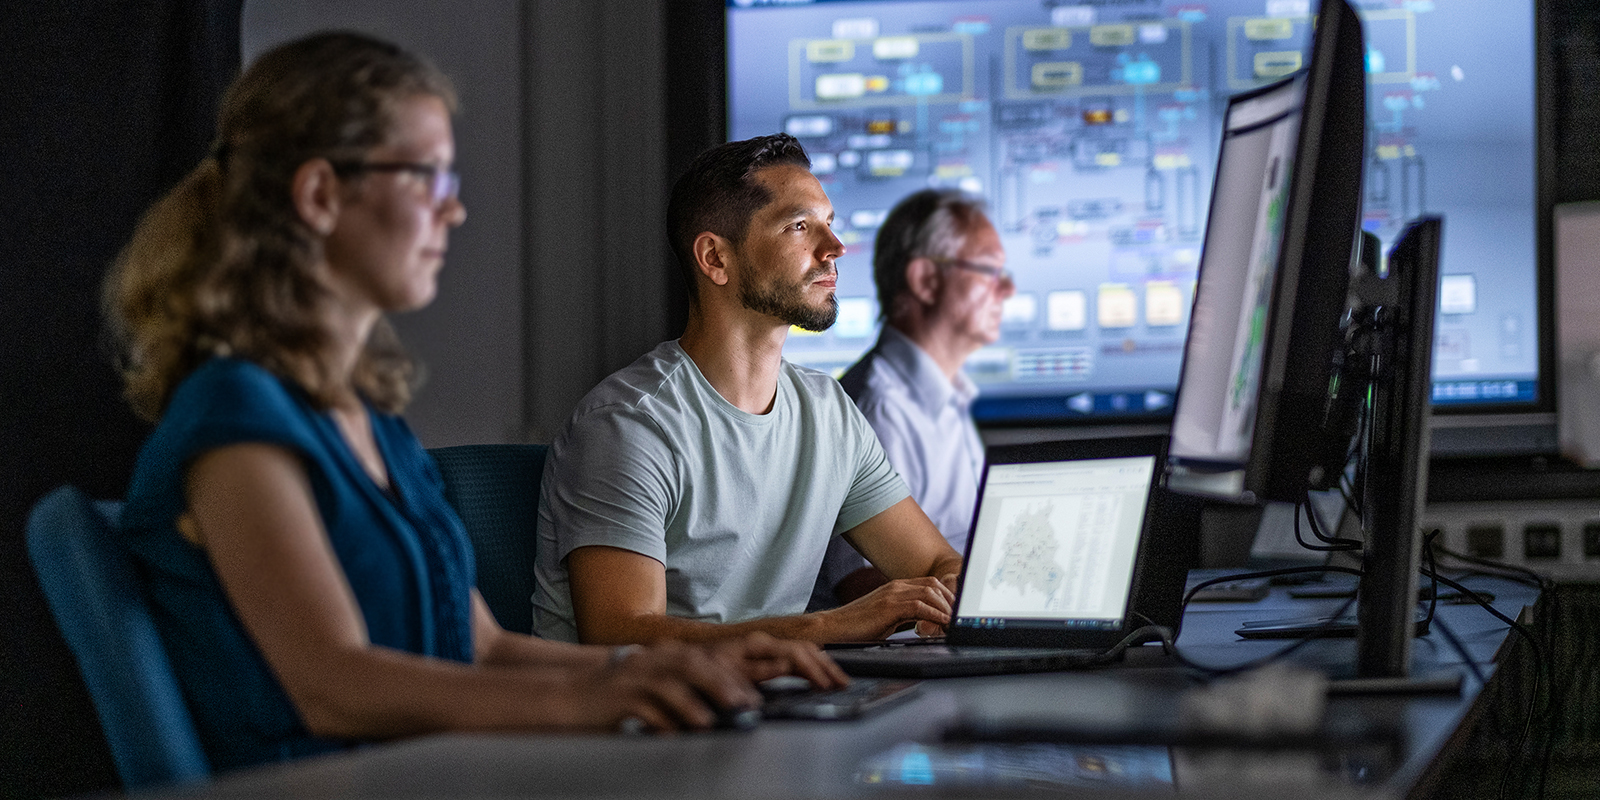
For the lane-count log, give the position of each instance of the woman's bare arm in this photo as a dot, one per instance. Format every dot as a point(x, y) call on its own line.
point(258, 521)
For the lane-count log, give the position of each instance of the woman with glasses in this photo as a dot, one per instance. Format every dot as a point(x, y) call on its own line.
point(311, 584)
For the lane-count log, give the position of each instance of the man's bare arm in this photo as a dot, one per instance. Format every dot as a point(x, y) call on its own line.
point(620, 597)
point(903, 543)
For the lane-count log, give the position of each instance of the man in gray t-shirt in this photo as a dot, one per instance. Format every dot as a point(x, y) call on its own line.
point(940, 272)
point(692, 494)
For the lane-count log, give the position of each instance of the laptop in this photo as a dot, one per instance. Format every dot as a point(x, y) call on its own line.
point(1060, 544)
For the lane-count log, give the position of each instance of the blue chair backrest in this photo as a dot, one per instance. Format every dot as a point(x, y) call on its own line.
point(89, 581)
point(495, 490)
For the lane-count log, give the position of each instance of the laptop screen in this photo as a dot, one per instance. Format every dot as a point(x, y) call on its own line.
point(1054, 544)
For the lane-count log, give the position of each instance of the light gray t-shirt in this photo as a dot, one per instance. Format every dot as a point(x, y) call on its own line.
point(739, 507)
point(924, 422)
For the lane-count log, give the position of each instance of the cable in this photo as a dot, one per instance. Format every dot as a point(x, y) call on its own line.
point(1268, 573)
point(1528, 576)
point(1462, 573)
point(1449, 635)
point(1218, 672)
point(1170, 645)
point(1432, 570)
point(1316, 528)
point(1338, 547)
point(1539, 667)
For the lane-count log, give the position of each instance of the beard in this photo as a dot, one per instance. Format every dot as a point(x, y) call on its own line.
point(787, 302)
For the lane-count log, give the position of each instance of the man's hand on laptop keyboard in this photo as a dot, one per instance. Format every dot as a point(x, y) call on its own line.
point(925, 601)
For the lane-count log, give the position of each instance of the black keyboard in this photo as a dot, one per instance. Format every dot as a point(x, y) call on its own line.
point(794, 699)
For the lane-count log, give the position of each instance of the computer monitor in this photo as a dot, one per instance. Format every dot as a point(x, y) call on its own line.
point(1264, 335)
point(1091, 129)
point(1394, 470)
point(1280, 362)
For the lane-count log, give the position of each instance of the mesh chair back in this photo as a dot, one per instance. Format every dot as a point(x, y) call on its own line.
point(98, 602)
point(495, 490)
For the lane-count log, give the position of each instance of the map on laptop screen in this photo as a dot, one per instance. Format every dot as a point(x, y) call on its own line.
point(1057, 541)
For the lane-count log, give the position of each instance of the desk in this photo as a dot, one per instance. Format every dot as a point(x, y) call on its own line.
point(822, 759)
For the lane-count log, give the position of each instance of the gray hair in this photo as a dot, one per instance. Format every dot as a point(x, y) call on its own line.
point(931, 223)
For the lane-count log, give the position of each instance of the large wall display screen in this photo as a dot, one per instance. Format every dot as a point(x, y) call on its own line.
point(1092, 129)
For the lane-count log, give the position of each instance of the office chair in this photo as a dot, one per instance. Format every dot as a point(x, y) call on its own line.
point(495, 490)
point(98, 602)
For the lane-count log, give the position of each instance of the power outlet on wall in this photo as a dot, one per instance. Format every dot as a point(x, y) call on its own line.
point(1556, 538)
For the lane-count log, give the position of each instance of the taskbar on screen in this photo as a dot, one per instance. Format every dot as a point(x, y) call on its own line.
point(1086, 406)
point(1479, 391)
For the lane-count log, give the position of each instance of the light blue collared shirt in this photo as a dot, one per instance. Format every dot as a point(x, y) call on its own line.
point(924, 421)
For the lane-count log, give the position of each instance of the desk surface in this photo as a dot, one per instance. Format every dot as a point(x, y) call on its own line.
point(784, 759)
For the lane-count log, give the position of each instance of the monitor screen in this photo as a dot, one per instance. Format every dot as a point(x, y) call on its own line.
point(1092, 130)
point(1056, 541)
point(1215, 420)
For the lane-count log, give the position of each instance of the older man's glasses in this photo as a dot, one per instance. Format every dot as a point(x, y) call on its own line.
point(443, 184)
point(997, 273)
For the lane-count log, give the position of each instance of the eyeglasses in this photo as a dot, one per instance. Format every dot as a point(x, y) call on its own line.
point(997, 273)
point(443, 184)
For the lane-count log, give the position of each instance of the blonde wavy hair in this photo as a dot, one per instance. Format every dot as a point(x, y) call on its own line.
point(224, 265)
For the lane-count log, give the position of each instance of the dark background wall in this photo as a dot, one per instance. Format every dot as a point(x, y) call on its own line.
point(106, 105)
point(575, 116)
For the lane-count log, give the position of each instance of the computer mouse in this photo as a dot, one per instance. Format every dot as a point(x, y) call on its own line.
point(737, 719)
point(784, 684)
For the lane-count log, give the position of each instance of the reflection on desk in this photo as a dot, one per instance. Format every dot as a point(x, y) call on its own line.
point(801, 759)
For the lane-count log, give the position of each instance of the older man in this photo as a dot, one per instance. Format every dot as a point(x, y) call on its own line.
point(941, 279)
point(693, 494)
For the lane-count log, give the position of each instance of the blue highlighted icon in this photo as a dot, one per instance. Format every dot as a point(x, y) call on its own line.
point(1375, 61)
point(924, 83)
point(1141, 72)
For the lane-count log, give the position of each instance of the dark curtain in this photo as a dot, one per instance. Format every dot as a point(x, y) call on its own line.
point(103, 107)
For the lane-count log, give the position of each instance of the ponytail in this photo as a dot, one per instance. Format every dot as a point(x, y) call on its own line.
point(149, 296)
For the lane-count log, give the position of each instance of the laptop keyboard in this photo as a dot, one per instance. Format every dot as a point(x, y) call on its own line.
point(787, 700)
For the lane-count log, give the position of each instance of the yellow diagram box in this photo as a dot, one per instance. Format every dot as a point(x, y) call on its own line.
point(1277, 64)
point(841, 86)
point(893, 48)
point(1169, 41)
point(825, 51)
point(1171, 160)
point(809, 90)
point(1111, 35)
point(1268, 29)
point(1118, 307)
point(1388, 152)
point(1386, 20)
point(1163, 304)
point(1046, 39)
point(1057, 74)
point(1108, 159)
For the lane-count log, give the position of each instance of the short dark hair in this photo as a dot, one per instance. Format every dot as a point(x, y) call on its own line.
point(931, 223)
point(718, 193)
